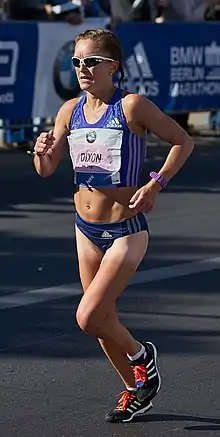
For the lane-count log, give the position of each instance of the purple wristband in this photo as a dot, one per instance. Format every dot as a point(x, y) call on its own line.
point(159, 178)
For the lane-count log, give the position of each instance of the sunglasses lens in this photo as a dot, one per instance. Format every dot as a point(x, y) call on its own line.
point(91, 62)
point(76, 62)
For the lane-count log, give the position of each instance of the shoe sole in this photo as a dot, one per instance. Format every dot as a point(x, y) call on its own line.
point(137, 413)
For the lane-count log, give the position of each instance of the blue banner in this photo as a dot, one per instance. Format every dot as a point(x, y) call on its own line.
point(18, 58)
point(176, 65)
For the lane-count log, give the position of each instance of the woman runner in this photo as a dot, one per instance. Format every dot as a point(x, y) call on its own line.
point(105, 132)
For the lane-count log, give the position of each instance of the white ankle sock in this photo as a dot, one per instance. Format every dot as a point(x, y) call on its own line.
point(131, 389)
point(138, 354)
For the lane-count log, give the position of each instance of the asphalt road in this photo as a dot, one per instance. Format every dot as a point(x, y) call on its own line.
point(54, 380)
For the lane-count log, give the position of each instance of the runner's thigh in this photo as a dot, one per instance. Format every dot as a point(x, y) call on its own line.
point(89, 258)
point(117, 267)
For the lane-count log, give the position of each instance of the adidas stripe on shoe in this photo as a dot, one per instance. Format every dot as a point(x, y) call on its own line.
point(147, 376)
point(127, 408)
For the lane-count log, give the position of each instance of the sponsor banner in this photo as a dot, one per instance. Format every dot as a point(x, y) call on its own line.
point(55, 79)
point(176, 65)
point(18, 56)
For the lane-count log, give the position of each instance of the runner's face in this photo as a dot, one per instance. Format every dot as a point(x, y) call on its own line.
point(92, 73)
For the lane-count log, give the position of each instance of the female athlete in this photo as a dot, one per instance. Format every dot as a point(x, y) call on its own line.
point(105, 133)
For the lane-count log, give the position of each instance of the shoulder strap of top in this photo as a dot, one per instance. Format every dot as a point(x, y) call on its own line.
point(117, 106)
point(75, 116)
point(116, 96)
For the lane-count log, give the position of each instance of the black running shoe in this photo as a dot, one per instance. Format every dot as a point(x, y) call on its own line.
point(147, 377)
point(128, 407)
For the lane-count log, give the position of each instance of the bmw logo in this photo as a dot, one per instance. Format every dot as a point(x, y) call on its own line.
point(64, 76)
point(91, 137)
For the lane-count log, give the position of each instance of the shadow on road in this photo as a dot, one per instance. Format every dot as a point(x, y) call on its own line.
point(214, 424)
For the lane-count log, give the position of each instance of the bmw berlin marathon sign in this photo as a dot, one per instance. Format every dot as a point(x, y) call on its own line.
point(195, 70)
point(177, 66)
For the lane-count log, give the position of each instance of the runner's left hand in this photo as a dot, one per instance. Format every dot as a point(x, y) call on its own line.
point(144, 199)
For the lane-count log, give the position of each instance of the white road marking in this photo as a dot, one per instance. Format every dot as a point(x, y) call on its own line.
point(141, 277)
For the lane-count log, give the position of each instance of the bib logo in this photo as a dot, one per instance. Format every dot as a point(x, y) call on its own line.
point(91, 137)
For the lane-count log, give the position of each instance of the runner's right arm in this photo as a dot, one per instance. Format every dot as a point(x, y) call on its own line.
point(51, 146)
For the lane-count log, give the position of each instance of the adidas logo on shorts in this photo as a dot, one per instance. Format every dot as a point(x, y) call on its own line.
point(106, 234)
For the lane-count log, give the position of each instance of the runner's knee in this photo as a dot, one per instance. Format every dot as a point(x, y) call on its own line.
point(92, 320)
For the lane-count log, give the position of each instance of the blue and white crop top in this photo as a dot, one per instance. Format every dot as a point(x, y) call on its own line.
point(106, 153)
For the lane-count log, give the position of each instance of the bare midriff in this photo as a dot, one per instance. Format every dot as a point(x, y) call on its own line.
point(104, 205)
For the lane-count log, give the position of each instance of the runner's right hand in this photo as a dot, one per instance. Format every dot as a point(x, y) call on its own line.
point(44, 143)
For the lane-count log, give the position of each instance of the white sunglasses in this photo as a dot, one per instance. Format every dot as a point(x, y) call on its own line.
point(89, 61)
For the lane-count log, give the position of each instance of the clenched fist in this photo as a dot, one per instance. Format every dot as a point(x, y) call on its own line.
point(44, 143)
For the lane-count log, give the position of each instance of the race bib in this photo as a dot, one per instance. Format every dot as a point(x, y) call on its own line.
point(96, 150)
